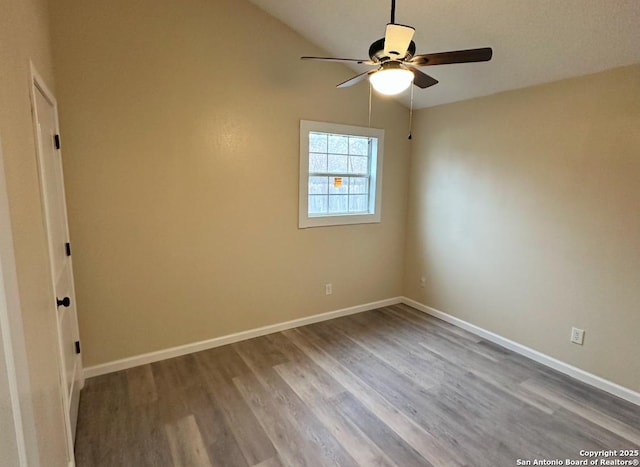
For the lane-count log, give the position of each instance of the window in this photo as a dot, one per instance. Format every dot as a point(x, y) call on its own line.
point(340, 174)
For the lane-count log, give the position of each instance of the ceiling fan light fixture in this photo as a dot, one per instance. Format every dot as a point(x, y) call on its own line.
point(391, 80)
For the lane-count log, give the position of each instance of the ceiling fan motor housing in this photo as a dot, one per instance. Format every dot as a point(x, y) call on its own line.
point(376, 52)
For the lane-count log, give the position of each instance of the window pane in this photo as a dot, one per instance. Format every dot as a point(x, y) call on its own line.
point(318, 185)
point(338, 144)
point(344, 174)
point(317, 204)
point(358, 165)
point(337, 163)
point(359, 203)
point(317, 163)
point(338, 204)
point(358, 185)
point(359, 146)
point(317, 142)
point(338, 185)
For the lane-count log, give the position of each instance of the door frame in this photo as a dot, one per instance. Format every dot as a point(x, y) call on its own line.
point(12, 338)
point(38, 85)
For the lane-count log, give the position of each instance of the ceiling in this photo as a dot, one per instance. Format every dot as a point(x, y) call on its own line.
point(533, 41)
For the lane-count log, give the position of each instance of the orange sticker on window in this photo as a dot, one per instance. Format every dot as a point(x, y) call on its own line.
point(337, 182)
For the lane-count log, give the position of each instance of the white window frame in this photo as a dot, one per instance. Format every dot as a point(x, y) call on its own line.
point(375, 176)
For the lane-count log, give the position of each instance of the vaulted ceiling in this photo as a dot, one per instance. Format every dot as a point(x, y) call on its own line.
point(533, 41)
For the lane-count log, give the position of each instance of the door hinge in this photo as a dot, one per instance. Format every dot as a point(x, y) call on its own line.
point(77, 347)
point(56, 141)
point(67, 248)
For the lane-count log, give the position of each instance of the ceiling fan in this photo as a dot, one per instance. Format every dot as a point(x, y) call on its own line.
point(395, 60)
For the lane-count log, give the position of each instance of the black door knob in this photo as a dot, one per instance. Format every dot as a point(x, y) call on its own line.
point(65, 302)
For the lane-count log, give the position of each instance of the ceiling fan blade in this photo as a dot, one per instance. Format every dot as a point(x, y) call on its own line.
point(457, 56)
point(356, 79)
point(397, 39)
point(333, 59)
point(422, 80)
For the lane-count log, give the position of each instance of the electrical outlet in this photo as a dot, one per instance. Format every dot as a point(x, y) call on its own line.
point(423, 282)
point(328, 289)
point(577, 336)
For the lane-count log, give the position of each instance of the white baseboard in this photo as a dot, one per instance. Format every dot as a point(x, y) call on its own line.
point(159, 355)
point(577, 373)
point(574, 372)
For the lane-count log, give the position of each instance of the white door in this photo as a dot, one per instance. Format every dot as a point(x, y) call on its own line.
point(63, 296)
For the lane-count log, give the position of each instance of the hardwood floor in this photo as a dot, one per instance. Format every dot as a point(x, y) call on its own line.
point(389, 387)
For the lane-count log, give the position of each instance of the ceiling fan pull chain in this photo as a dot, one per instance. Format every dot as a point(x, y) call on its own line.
point(411, 114)
point(370, 92)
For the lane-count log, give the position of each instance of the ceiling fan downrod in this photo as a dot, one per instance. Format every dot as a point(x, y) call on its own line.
point(393, 11)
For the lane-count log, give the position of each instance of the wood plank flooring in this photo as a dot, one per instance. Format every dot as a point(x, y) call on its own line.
point(389, 387)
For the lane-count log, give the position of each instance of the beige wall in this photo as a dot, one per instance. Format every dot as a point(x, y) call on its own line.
point(524, 217)
point(24, 36)
point(180, 122)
